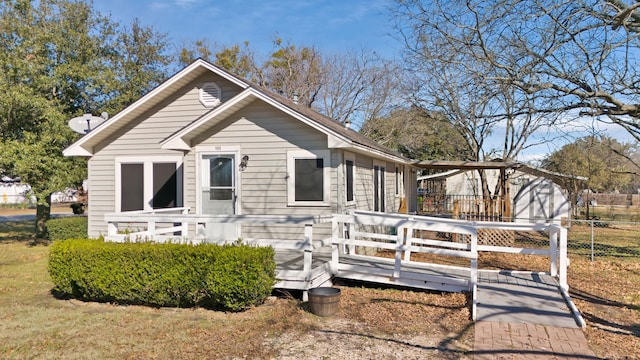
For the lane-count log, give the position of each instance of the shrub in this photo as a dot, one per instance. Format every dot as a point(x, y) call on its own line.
point(229, 277)
point(67, 228)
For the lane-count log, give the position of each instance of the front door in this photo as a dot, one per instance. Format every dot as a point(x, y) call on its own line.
point(218, 194)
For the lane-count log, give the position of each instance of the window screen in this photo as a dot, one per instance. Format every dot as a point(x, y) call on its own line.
point(164, 185)
point(132, 182)
point(309, 177)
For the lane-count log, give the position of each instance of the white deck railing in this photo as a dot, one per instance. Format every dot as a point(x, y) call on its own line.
point(557, 250)
point(176, 225)
point(349, 231)
point(403, 243)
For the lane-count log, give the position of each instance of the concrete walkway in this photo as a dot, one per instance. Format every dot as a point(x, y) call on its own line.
point(523, 315)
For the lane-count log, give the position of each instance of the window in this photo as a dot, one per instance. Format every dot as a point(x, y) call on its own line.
point(132, 185)
point(308, 178)
point(349, 176)
point(145, 184)
point(378, 188)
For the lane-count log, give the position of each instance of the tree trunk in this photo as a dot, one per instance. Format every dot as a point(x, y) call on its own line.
point(486, 192)
point(43, 213)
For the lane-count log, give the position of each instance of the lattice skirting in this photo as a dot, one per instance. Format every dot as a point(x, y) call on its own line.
point(496, 237)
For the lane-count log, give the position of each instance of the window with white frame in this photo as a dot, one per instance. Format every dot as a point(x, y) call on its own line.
point(349, 177)
point(148, 183)
point(308, 182)
point(379, 187)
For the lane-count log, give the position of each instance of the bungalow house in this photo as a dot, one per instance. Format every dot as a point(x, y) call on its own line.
point(211, 144)
point(214, 143)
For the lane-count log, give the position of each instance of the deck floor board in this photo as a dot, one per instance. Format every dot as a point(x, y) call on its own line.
point(503, 296)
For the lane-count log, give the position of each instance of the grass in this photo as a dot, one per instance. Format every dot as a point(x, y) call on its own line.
point(612, 213)
point(34, 324)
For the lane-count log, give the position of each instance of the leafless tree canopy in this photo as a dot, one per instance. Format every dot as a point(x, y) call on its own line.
point(552, 56)
point(359, 87)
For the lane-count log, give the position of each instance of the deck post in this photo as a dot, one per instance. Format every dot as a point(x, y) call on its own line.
point(308, 250)
point(335, 248)
point(473, 274)
point(553, 250)
point(151, 231)
point(184, 227)
point(563, 259)
point(400, 234)
point(408, 241)
point(112, 229)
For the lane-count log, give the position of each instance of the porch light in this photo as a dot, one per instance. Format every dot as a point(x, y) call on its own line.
point(243, 162)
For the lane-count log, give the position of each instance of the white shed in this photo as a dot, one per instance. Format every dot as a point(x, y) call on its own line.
point(541, 200)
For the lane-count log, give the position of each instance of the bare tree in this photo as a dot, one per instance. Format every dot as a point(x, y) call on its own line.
point(355, 86)
point(453, 74)
point(359, 86)
point(568, 55)
point(294, 71)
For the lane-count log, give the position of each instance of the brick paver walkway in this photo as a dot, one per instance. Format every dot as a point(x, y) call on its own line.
point(501, 340)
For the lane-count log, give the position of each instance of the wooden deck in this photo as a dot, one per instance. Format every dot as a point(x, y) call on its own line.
point(309, 262)
point(412, 274)
point(290, 272)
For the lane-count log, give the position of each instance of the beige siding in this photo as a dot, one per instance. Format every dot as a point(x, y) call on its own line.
point(142, 138)
point(260, 131)
point(392, 202)
point(265, 135)
point(364, 185)
point(364, 182)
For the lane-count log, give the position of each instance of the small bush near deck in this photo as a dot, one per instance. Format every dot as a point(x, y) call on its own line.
point(67, 228)
point(229, 277)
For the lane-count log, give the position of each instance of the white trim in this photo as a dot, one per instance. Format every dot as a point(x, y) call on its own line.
point(350, 157)
point(147, 168)
point(214, 150)
point(76, 148)
point(334, 140)
point(382, 184)
point(203, 150)
point(292, 156)
point(397, 180)
point(176, 141)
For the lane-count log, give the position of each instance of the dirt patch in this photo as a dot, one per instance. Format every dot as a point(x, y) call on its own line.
point(383, 324)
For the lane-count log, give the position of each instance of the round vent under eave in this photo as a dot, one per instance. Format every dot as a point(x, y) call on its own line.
point(210, 94)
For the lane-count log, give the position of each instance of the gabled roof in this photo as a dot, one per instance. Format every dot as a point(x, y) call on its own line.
point(84, 146)
point(338, 136)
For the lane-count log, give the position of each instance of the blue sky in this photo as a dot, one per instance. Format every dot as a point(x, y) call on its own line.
point(331, 25)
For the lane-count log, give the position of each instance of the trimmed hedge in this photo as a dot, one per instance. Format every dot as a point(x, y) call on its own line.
point(229, 277)
point(67, 228)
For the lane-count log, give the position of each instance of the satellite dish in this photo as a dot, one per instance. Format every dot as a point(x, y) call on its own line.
point(85, 123)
